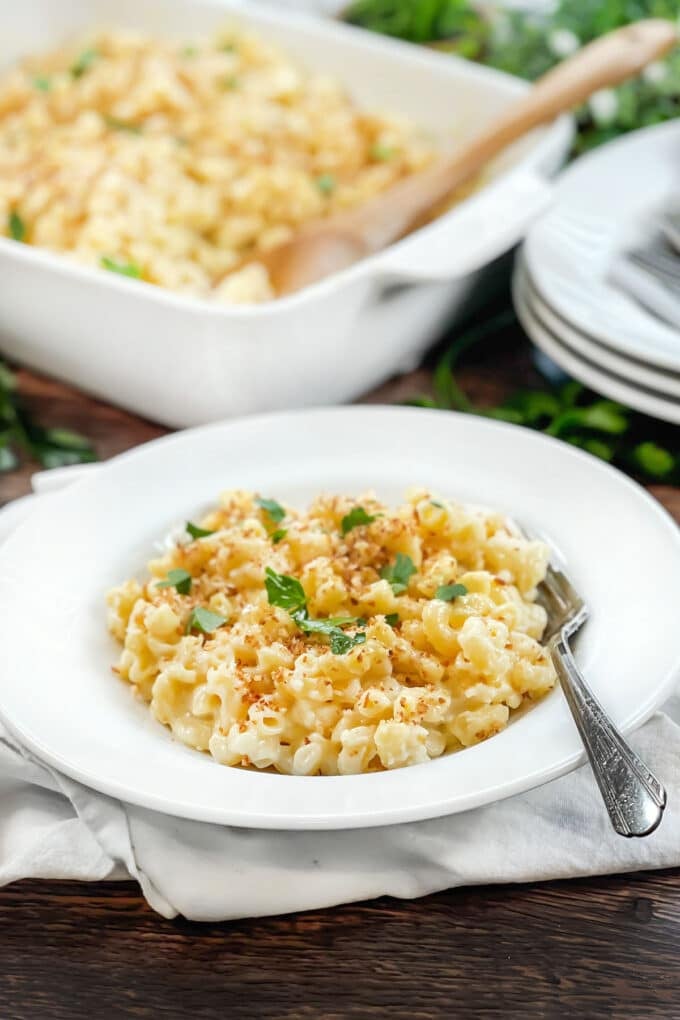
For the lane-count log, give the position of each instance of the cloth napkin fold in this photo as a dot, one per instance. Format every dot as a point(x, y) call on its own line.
point(52, 827)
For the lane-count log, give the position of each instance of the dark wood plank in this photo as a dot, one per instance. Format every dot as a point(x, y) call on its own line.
point(587, 949)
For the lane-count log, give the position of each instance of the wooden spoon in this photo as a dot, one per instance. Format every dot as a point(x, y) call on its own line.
point(327, 245)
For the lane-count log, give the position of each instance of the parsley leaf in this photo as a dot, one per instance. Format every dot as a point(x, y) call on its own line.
point(399, 573)
point(284, 591)
point(271, 507)
point(392, 619)
point(356, 517)
point(122, 125)
point(449, 592)
point(277, 535)
point(343, 643)
point(122, 268)
point(179, 579)
point(435, 502)
point(204, 620)
point(382, 153)
point(42, 83)
point(326, 184)
point(196, 532)
point(17, 227)
point(83, 63)
point(230, 82)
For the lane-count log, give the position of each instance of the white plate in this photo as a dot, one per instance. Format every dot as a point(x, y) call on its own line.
point(58, 695)
point(605, 203)
point(667, 384)
point(643, 399)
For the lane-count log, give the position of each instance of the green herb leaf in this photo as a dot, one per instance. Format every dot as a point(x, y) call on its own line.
point(449, 592)
point(83, 63)
point(278, 535)
point(284, 591)
point(326, 184)
point(654, 460)
point(392, 619)
point(196, 532)
point(382, 153)
point(122, 268)
point(67, 440)
point(42, 83)
point(271, 507)
point(435, 502)
point(343, 643)
point(122, 125)
point(17, 227)
point(189, 51)
point(204, 620)
point(355, 518)
point(230, 82)
point(399, 573)
point(177, 578)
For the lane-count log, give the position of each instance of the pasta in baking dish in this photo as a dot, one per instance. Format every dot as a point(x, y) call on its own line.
point(351, 637)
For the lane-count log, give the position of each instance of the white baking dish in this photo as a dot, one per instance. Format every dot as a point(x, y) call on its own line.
point(182, 361)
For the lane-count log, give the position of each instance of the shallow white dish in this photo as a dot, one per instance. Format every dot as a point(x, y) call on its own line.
point(58, 695)
point(605, 203)
point(184, 362)
point(667, 384)
point(642, 398)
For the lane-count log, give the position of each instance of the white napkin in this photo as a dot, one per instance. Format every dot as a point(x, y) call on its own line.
point(52, 827)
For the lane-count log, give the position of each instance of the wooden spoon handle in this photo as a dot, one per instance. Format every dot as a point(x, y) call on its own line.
point(605, 62)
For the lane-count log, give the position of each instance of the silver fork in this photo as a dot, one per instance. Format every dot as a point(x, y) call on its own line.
point(634, 797)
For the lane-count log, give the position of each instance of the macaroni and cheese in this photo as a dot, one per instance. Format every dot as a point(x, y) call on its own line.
point(347, 638)
point(178, 162)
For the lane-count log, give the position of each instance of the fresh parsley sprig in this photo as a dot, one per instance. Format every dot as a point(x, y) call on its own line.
point(603, 428)
point(204, 621)
point(355, 518)
point(50, 447)
point(273, 509)
point(450, 592)
point(196, 532)
point(177, 578)
point(287, 593)
point(399, 573)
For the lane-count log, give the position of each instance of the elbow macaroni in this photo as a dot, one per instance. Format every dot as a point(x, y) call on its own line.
point(259, 692)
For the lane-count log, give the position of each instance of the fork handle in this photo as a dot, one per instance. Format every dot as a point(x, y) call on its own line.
point(634, 797)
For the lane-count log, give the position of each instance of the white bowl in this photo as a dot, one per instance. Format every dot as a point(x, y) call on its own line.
point(182, 361)
point(58, 695)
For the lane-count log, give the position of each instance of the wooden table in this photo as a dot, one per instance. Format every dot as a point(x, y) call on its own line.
point(605, 947)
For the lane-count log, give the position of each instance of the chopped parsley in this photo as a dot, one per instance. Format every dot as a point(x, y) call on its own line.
point(122, 268)
point(449, 592)
point(356, 517)
point(275, 511)
point(382, 153)
point(287, 593)
point(204, 620)
point(42, 83)
point(196, 532)
point(83, 63)
point(326, 184)
point(122, 125)
point(284, 592)
point(279, 534)
point(179, 579)
point(17, 227)
point(435, 502)
point(399, 573)
point(230, 82)
point(189, 51)
point(392, 619)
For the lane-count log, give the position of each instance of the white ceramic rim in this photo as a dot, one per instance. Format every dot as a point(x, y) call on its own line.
point(402, 795)
point(615, 387)
point(602, 328)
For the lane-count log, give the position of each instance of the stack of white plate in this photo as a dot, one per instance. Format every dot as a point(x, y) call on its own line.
point(606, 203)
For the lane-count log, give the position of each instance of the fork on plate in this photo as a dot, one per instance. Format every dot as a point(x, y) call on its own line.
point(633, 796)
